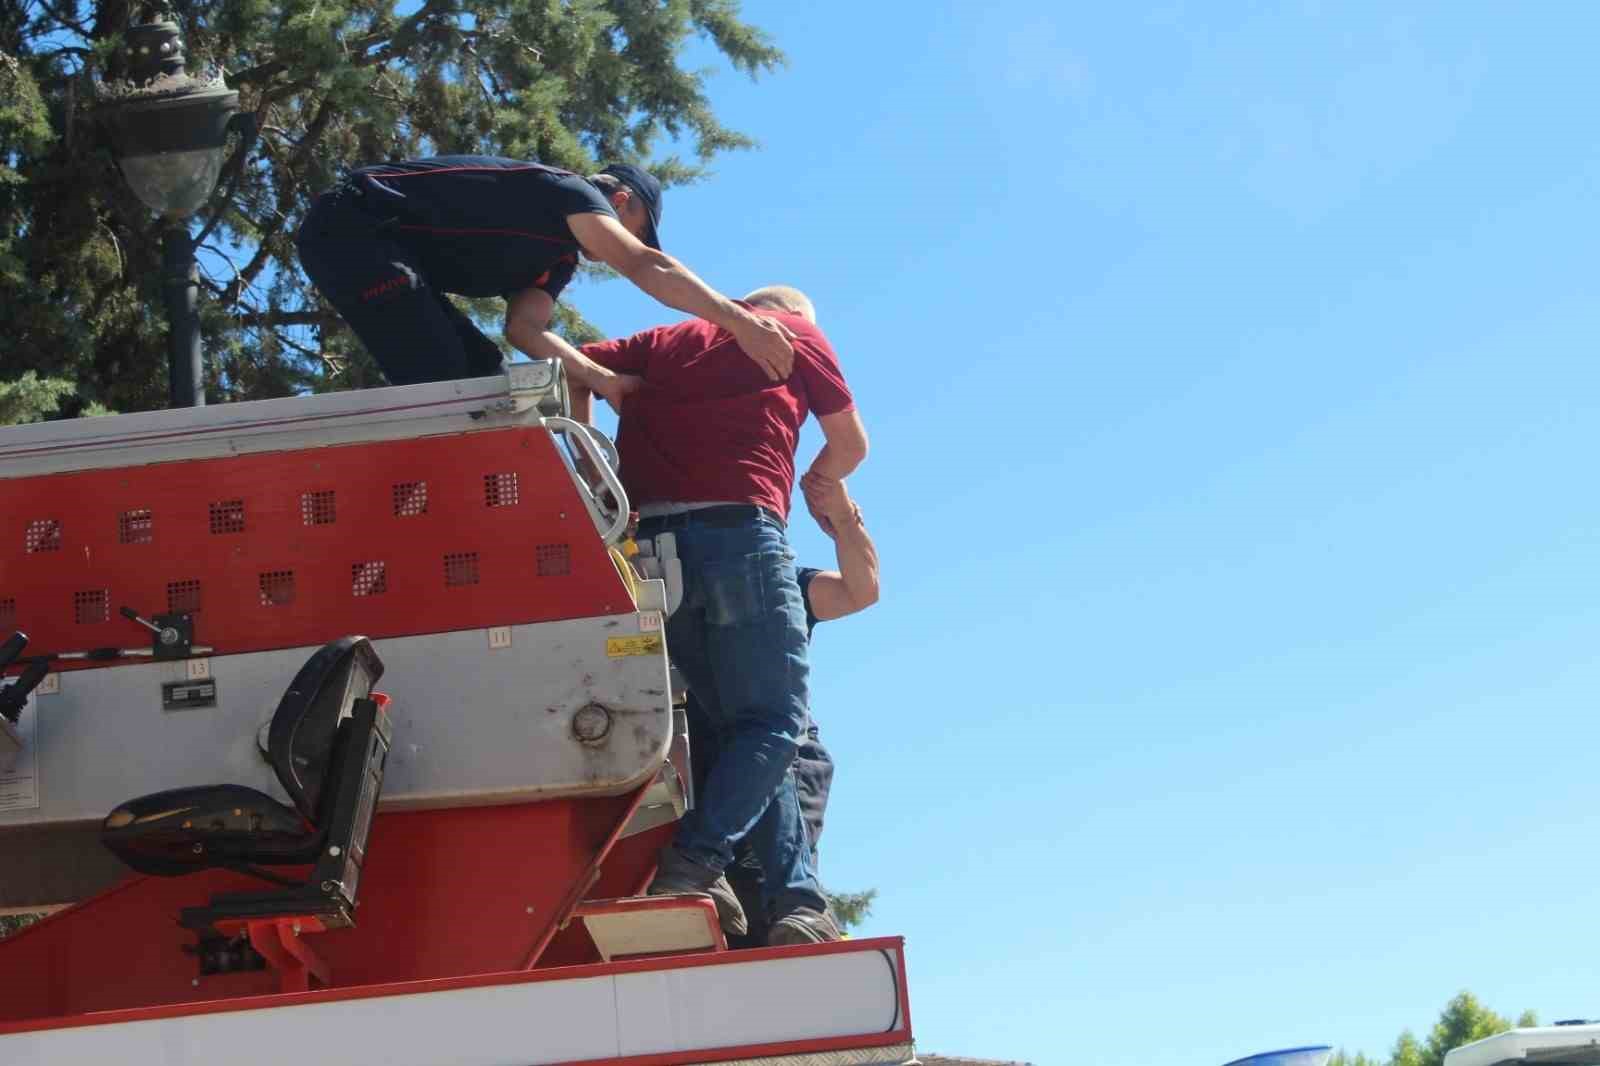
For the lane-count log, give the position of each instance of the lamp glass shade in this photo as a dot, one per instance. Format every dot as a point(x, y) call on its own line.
point(169, 139)
point(174, 183)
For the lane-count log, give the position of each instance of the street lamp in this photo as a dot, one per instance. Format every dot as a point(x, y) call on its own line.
point(168, 131)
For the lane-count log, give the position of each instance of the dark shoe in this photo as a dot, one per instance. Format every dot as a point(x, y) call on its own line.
point(730, 915)
point(803, 926)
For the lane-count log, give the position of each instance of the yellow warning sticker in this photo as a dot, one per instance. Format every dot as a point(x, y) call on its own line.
point(645, 644)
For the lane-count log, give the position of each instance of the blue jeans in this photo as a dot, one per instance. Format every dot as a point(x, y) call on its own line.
point(739, 639)
point(813, 779)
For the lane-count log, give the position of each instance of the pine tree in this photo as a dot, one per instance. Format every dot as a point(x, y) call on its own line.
point(1462, 1021)
point(11, 923)
point(852, 908)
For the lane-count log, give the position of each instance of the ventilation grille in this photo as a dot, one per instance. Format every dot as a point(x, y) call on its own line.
point(136, 527)
point(277, 588)
point(183, 597)
point(553, 560)
point(271, 520)
point(227, 516)
point(316, 508)
point(91, 606)
point(410, 498)
point(44, 535)
point(368, 579)
point(500, 490)
point(461, 568)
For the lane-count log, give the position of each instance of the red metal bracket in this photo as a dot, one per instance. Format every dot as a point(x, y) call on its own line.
point(278, 941)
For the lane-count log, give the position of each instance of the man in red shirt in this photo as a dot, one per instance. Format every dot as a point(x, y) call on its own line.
point(707, 443)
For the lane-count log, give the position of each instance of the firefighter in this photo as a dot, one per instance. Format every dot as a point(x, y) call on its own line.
point(387, 244)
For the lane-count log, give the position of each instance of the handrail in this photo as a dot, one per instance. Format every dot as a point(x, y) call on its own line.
point(586, 437)
point(605, 444)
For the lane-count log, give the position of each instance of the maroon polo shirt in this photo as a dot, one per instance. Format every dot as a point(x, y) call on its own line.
point(708, 424)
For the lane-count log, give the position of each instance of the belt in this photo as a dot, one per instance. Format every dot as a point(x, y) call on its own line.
point(721, 516)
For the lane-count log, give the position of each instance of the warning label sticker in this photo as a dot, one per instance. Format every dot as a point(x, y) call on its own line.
point(19, 780)
point(646, 644)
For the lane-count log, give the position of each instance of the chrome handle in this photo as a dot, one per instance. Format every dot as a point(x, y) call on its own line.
point(605, 444)
point(587, 437)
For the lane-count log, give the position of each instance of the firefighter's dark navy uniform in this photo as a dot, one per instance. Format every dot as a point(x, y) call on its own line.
point(389, 241)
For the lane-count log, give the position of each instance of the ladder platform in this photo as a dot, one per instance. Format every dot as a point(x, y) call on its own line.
point(637, 926)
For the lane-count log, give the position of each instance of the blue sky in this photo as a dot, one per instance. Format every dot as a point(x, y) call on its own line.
point(1231, 378)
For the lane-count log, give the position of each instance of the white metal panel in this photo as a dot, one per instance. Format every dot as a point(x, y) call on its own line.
point(393, 413)
point(496, 1026)
point(473, 724)
point(757, 1002)
point(694, 1008)
point(1553, 1045)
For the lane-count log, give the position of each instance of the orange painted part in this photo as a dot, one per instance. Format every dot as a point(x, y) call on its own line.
point(278, 941)
point(445, 893)
point(292, 548)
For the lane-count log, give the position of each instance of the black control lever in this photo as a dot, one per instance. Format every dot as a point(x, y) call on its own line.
point(15, 695)
point(173, 634)
point(12, 648)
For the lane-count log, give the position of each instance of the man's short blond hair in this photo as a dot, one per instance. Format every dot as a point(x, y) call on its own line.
point(784, 298)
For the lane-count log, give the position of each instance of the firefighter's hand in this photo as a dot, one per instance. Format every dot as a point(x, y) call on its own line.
point(825, 499)
point(768, 342)
point(614, 388)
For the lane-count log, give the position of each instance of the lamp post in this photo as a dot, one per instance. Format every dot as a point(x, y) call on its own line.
point(167, 131)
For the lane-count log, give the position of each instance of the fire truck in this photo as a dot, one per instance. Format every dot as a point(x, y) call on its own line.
point(344, 727)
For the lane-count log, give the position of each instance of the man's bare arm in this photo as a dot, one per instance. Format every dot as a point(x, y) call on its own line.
point(580, 401)
point(844, 449)
point(854, 586)
point(764, 340)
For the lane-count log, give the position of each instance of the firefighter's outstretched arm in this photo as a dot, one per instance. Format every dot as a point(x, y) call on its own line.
point(764, 340)
point(528, 329)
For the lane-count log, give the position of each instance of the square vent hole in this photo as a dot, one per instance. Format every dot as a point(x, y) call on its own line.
point(316, 508)
point(461, 568)
point(410, 498)
point(183, 597)
point(368, 579)
point(136, 527)
point(277, 588)
point(553, 560)
point(91, 607)
point(227, 516)
point(44, 535)
point(500, 490)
